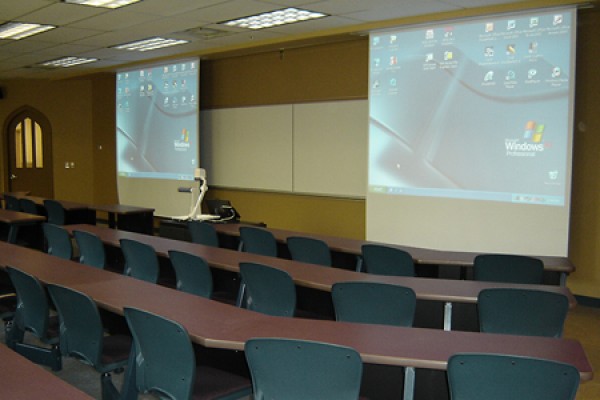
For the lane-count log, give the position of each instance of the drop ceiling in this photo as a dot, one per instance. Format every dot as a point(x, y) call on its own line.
point(85, 31)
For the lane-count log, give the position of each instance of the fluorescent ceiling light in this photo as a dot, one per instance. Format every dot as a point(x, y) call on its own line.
point(103, 3)
point(150, 44)
point(274, 18)
point(68, 62)
point(20, 30)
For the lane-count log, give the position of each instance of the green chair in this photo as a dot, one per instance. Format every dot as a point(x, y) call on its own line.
point(257, 241)
point(165, 363)
point(28, 206)
point(58, 241)
point(82, 336)
point(203, 233)
point(141, 261)
point(268, 290)
point(192, 273)
point(91, 249)
point(309, 250)
point(33, 315)
point(11, 203)
point(55, 212)
point(522, 312)
point(374, 303)
point(385, 260)
point(501, 377)
point(300, 370)
point(508, 268)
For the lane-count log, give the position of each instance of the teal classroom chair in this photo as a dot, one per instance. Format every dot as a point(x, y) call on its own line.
point(58, 241)
point(55, 212)
point(309, 250)
point(374, 303)
point(82, 336)
point(91, 249)
point(257, 241)
point(28, 206)
point(203, 233)
point(165, 363)
point(300, 370)
point(385, 260)
point(11, 203)
point(192, 273)
point(501, 377)
point(141, 261)
point(268, 290)
point(508, 268)
point(522, 312)
point(33, 315)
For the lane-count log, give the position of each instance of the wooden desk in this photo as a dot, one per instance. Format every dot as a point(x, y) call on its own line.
point(128, 218)
point(561, 265)
point(16, 219)
point(22, 379)
point(447, 291)
point(217, 325)
point(75, 213)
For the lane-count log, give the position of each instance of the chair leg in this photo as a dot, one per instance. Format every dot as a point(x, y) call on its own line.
point(109, 391)
point(13, 335)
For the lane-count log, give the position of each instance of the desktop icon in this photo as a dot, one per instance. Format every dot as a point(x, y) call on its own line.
point(489, 76)
point(531, 73)
point(510, 50)
point(556, 72)
point(511, 24)
point(488, 51)
point(534, 21)
point(510, 75)
point(448, 55)
point(558, 19)
point(429, 57)
point(533, 46)
point(429, 34)
point(489, 27)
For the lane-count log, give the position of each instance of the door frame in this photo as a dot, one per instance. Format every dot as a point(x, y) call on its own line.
point(44, 122)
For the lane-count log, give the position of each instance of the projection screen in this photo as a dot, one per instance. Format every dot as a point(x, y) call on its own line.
point(470, 133)
point(157, 135)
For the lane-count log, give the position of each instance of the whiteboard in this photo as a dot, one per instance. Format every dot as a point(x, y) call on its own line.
point(309, 148)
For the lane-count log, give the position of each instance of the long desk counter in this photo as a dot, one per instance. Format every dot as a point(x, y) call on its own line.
point(218, 325)
point(312, 276)
point(22, 379)
point(420, 255)
point(16, 219)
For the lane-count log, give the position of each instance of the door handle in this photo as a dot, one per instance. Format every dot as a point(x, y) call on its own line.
point(13, 176)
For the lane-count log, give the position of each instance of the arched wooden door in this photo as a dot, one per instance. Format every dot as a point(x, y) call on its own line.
point(29, 169)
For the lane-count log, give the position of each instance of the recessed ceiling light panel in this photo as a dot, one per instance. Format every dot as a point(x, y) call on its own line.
point(65, 62)
point(103, 3)
point(150, 44)
point(274, 18)
point(20, 30)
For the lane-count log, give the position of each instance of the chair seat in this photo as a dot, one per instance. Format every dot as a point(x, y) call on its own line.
point(115, 352)
point(212, 383)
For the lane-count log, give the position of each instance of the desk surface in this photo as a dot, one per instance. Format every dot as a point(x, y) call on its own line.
point(121, 209)
point(17, 217)
point(314, 276)
point(420, 255)
point(218, 325)
point(22, 379)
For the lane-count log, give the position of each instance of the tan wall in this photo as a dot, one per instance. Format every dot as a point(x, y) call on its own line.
point(82, 116)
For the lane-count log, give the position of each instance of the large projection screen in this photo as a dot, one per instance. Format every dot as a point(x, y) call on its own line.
point(157, 135)
point(470, 133)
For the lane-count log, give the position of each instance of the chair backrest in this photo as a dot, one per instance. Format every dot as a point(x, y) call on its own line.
point(299, 370)
point(309, 250)
point(28, 206)
point(91, 249)
point(55, 211)
point(58, 241)
point(203, 233)
point(192, 273)
point(385, 260)
point(374, 303)
point(258, 241)
point(32, 304)
point(499, 377)
point(141, 261)
point(11, 203)
point(165, 360)
point(508, 268)
point(522, 312)
point(268, 290)
point(81, 328)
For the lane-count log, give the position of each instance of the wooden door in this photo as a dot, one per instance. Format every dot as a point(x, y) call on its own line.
point(30, 154)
